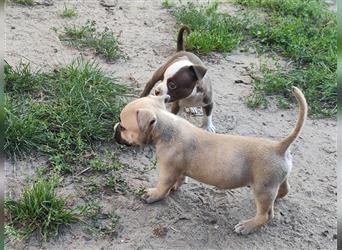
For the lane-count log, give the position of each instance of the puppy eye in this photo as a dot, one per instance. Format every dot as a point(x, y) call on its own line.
point(172, 85)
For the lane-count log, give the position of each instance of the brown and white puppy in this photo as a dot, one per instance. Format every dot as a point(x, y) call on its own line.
point(225, 161)
point(183, 77)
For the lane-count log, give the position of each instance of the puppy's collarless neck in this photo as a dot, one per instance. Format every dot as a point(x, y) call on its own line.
point(165, 131)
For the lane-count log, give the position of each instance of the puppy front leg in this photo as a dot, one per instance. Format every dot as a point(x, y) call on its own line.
point(167, 180)
point(179, 182)
point(207, 118)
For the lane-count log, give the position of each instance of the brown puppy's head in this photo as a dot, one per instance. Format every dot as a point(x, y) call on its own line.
point(138, 119)
point(180, 80)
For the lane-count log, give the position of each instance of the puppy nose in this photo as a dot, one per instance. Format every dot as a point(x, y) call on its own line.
point(157, 92)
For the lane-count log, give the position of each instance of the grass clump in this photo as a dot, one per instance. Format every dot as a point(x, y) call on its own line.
point(60, 113)
point(38, 209)
point(24, 2)
point(98, 222)
point(166, 4)
point(68, 12)
point(302, 31)
point(104, 43)
point(211, 31)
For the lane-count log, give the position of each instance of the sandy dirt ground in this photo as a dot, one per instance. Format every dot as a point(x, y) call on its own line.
point(197, 216)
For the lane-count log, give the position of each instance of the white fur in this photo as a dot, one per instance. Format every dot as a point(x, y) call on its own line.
point(171, 71)
point(208, 123)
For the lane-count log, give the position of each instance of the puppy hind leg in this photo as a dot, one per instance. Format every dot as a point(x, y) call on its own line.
point(284, 188)
point(207, 118)
point(264, 202)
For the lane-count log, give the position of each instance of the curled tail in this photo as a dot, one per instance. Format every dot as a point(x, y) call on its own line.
point(180, 44)
point(303, 109)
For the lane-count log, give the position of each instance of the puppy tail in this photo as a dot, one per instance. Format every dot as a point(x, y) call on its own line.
point(303, 110)
point(180, 43)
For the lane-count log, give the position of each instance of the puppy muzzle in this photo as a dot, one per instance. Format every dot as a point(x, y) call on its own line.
point(117, 136)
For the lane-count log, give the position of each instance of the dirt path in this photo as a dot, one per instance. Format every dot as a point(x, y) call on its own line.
point(197, 216)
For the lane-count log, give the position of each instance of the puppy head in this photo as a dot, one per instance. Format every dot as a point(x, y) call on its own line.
point(180, 80)
point(138, 120)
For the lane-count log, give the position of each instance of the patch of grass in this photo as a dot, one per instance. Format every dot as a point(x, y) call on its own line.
point(104, 43)
point(38, 209)
point(283, 103)
point(98, 222)
point(117, 183)
point(211, 31)
point(68, 12)
point(313, 9)
point(317, 83)
point(305, 32)
point(166, 4)
point(24, 2)
point(60, 113)
point(153, 165)
point(302, 31)
point(139, 191)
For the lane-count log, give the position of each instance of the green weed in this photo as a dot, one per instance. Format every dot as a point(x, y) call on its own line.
point(211, 31)
point(24, 2)
point(139, 191)
point(302, 31)
point(166, 4)
point(61, 113)
point(98, 222)
point(68, 12)
point(38, 209)
point(104, 43)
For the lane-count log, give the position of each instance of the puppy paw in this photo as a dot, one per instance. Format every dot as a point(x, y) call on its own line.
point(151, 195)
point(210, 128)
point(245, 227)
point(193, 111)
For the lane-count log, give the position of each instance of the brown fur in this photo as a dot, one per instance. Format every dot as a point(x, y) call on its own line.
point(180, 43)
point(224, 161)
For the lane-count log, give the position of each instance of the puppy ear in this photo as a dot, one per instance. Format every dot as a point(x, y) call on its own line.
point(147, 120)
point(198, 70)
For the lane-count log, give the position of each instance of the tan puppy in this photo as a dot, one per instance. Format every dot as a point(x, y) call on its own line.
point(225, 161)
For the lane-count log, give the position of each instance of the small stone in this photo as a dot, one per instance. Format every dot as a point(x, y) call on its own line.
point(325, 233)
point(213, 221)
point(160, 231)
point(12, 27)
point(334, 236)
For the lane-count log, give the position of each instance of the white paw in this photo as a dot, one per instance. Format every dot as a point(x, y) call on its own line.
point(186, 179)
point(244, 227)
point(193, 111)
point(210, 128)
